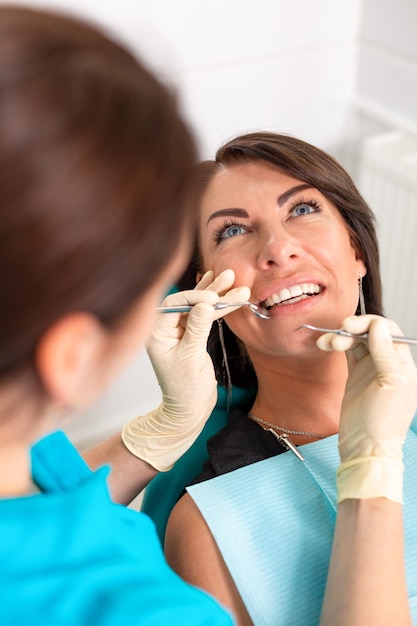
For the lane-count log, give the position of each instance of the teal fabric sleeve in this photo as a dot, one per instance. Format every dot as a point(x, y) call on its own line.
point(165, 489)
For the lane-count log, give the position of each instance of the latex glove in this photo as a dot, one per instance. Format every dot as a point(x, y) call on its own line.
point(178, 352)
point(378, 407)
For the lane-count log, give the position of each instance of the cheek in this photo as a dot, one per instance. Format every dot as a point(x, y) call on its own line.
point(219, 261)
point(337, 252)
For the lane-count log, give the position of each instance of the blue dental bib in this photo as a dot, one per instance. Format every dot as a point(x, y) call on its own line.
point(274, 520)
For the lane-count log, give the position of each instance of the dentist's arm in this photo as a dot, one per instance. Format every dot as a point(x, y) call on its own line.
point(178, 353)
point(366, 581)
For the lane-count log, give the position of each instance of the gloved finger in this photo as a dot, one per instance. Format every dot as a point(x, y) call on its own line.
point(389, 358)
point(353, 324)
point(207, 290)
point(374, 324)
point(358, 324)
point(356, 356)
point(359, 350)
point(222, 283)
point(331, 341)
point(173, 323)
point(206, 280)
point(237, 294)
point(191, 297)
point(197, 330)
point(351, 361)
point(201, 319)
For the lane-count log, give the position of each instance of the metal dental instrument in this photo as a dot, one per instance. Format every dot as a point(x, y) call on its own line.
point(185, 308)
point(345, 333)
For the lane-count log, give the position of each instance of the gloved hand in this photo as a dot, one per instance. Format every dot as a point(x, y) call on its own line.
point(378, 407)
point(185, 373)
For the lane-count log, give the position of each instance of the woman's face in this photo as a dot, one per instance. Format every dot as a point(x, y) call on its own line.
point(289, 244)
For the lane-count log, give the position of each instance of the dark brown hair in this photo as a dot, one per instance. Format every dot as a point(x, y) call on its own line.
point(317, 168)
point(95, 164)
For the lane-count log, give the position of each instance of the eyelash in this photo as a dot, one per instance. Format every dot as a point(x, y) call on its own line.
point(300, 201)
point(219, 232)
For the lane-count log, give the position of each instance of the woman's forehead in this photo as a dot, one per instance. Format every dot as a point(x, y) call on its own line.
point(244, 178)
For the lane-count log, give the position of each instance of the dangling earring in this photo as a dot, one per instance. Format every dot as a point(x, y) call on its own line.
point(362, 308)
point(228, 383)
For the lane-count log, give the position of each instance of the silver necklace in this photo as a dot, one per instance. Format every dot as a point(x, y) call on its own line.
point(284, 430)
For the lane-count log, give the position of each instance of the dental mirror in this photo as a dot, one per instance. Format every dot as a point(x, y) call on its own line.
point(185, 308)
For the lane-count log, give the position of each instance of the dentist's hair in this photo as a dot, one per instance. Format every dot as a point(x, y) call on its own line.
point(95, 178)
point(317, 168)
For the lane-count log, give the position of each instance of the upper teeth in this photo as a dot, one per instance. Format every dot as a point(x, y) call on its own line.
point(292, 292)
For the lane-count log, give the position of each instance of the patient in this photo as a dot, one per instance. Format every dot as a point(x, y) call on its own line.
point(257, 529)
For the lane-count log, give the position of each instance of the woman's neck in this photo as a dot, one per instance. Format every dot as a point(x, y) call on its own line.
point(15, 471)
point(20, 426)
point(301, 394)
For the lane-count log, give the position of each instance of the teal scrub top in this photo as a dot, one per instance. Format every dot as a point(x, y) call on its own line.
point(69, 555)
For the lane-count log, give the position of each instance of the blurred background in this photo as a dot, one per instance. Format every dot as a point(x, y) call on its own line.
point(341, 75)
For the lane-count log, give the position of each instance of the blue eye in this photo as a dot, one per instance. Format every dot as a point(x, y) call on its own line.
point(304, 208)
point(232, 231)
point(229, 230)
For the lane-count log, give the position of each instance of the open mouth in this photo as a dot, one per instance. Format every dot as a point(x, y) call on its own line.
point(291, 295)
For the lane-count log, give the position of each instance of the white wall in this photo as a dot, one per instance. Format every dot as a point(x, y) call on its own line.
point(240, 65)
point(385, 99)
point(386, 90)
point(285, 66)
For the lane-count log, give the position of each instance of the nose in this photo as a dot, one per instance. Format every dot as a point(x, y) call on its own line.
point(278, 248)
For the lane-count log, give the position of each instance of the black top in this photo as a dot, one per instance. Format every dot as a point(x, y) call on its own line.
point(238, 444)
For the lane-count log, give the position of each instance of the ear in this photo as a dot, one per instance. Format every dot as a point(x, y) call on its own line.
point(67, 355)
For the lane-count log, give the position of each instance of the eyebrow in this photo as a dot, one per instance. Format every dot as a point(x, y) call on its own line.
point(230, 212)
point(284, 197)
